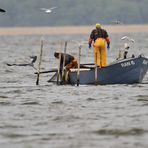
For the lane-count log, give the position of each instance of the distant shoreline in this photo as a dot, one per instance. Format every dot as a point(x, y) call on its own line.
point(71, 30)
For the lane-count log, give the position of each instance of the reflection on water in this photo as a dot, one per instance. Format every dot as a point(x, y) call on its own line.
point(68, 116)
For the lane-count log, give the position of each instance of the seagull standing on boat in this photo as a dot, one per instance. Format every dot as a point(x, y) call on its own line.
point(128, 39)
point(49, 10)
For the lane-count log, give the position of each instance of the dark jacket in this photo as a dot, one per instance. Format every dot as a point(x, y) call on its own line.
point(98, 33)
point(68, 59)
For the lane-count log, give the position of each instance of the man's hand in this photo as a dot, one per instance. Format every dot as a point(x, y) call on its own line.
point(89, 46)
point(108, 46)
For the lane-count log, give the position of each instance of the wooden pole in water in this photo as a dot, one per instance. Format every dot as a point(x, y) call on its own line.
point(59, 65)
point(39, 65)
point(78, 71)
point(96, 70)
point(58, 75)
point(63, 73)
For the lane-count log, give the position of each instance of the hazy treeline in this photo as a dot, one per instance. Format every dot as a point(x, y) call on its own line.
point(73, 12)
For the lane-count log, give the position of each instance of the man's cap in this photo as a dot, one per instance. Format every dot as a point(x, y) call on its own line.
point(98, 25)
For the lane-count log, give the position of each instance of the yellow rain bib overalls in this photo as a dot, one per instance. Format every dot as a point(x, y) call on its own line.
point(100, 38)
point(100, 52)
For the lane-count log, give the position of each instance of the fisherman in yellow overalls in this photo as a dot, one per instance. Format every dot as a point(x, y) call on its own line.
point(99, 38)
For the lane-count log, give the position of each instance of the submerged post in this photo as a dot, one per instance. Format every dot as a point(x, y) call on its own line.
point(39, 65)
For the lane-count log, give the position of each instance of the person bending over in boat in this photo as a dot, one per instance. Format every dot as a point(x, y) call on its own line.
point(70, 62)
point(99, 37)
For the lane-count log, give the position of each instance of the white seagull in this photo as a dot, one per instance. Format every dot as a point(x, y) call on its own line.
point(128, 38)
point(49, 10)
point(117, 22)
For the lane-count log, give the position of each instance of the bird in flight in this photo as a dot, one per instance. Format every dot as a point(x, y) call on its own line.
point(2, 10)
point(49, 10)
point(117, 22)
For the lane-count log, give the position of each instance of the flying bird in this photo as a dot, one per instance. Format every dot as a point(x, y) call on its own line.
point(2, 10)
point(49, 10)
point(117, 22)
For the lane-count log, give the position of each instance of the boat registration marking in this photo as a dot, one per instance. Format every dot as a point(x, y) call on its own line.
point(126, 64)
point(145, 62)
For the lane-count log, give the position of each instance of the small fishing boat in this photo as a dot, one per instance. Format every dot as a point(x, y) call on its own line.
point(126, 71)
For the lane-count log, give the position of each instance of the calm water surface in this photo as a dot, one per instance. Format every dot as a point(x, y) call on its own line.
point(51, 116)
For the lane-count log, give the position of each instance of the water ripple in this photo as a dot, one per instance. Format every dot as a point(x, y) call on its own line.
point(3, 97)
point(5, 103)
point(120, 132)
point(142, 98)
point(30, 103)
point(58, 102)
point(90, 99)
